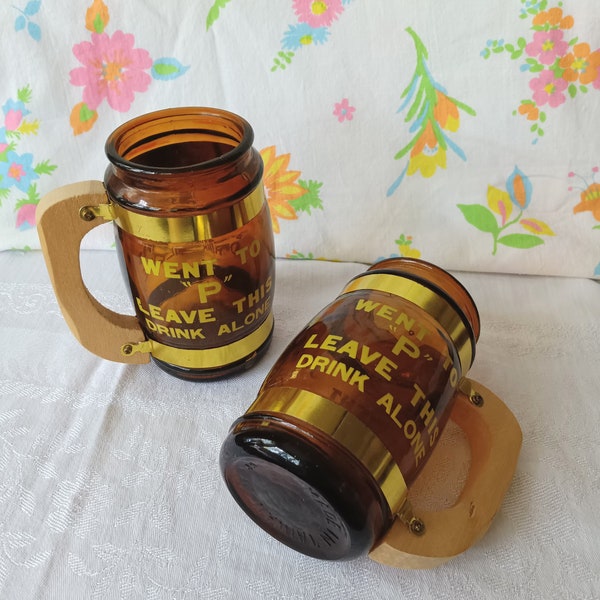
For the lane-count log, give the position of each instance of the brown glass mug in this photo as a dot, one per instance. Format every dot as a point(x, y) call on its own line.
point(184, 190)
point(351, 412)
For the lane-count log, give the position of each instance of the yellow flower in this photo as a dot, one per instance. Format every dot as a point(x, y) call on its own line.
point(427, 161)
point(409, 252)
point(426, 156)
point(280, 186)
point(499, 202)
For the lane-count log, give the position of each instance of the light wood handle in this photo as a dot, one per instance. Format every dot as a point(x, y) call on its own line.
point(61, 229)
point(495, 440)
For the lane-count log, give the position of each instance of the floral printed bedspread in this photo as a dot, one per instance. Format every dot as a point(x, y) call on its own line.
point(464, 133)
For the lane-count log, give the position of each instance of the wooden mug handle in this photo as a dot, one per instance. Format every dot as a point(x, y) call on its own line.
point(64, 217)
point(495, 440)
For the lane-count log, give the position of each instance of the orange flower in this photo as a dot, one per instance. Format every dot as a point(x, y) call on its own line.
point(82, 118)
point(531, 111)
point(97, 17)
point(590, 200)
point(427, 138)
point(581, 64)
point(446, 112)
point(280, 185)
point(554, 18)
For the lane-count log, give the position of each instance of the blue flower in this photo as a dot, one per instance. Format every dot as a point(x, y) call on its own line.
point(16, 105)
point(18, 171)
point(303, 34)
point(519, 188)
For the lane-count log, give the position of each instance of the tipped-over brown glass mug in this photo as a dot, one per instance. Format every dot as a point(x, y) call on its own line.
point(352, 410)
point(184, 190)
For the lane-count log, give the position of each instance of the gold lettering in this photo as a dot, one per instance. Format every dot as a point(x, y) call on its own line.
point(170, 270)
point(384, 367)
point(367, 305)
point(142, 309)
point(172, 316)
point(350, 348)
point(386, 401)
point(330, 342)
point(208, 288)
point(155, 312)
point(310, 343)
point(405, 345)
point(386, 312)
point(150, 266)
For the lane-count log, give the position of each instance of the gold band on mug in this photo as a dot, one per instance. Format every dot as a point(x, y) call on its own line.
point(209, 358)
point(424, 298)
point(181, 229)
point(345, 428)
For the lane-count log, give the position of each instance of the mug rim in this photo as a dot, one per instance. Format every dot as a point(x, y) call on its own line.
point(135, 132)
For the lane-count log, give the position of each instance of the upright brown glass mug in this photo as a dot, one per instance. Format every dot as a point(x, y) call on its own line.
point(184, 190)
point(351, 412)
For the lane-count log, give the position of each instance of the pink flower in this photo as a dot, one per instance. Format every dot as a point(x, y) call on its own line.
point(547, 46)
point(343, 111)
point(318, 13)
point(26, 216)
point(112, 69)
point(548, 89)
point(13, 119)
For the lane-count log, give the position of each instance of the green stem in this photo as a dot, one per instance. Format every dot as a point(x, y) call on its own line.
point(505, 226)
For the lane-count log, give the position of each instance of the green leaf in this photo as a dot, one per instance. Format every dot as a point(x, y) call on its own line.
point(167, 68)
point(98, 23)
point(85, 113)
point(24, 94)
point(4, 194)
point(286, 59)
point(573, 41)
point(44, 168)
point(33, 196)
point(509, 47)
point(214, 12)
point(540, 131)
point(311, 199)
point(596, 227)
point(480, 217)
point(521, 42)
point(583, 89)
point(520, 240)
point(542, 117)
point(572, 90)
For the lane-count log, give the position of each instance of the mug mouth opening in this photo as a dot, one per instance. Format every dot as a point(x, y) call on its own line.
point(179, 141)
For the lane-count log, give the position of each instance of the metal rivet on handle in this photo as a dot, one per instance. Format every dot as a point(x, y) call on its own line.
point(416, 526)
point(86, 213)
point(476, 399)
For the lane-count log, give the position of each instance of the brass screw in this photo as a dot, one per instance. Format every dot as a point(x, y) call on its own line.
point(87, 214)
point(127, 349)
point(416, 526)
point(476, 399)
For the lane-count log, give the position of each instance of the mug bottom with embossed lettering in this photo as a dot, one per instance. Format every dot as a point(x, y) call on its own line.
point(303, 488)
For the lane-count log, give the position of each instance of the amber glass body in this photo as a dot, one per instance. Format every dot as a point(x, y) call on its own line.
point(211, 288)
point(390, 365)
